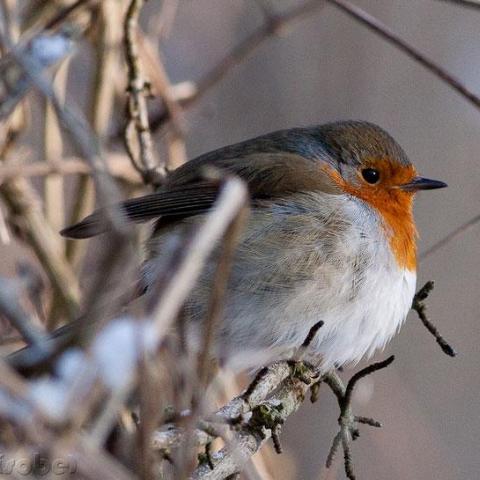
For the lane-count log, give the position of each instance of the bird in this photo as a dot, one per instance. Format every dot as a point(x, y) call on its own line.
point(330, 237)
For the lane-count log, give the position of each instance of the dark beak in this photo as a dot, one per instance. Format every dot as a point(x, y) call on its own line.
point(420, 183)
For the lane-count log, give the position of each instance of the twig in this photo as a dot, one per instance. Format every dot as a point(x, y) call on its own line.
point(419, 306)
point(4, 232)
point(238, 54)
point(308, 340)
point(233, 197)
point(10, 292)
point(464, 3)
point(217, 295)
point(275, 393)
point(43, 51)
point(451, 236)
point(119, 166)
point(374, 367)
point(161, 25)
point(24, 205)
point(162, 87)
point(249, 436)
point(348, 422)
point(138, 88)
point(54, 201)
point(390, 36)
point(81, 137)
point(62, 15)
point(99, 111)
point(33, 285)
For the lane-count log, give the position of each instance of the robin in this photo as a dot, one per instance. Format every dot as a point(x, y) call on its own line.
point(331, 236)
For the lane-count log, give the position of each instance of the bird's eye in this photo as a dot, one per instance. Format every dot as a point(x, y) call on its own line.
point(371, 175)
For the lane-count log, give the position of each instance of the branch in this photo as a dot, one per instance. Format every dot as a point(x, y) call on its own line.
point(464, 3)
point(119, 167)
point(137, 111)
point(62, 15)
point(451, 236)
point(272, 26)
point(262, 423)
point(43, 50)
point(348, 431)
point(162, 87)
point(10, 293)
point(390, 36)
point(81, 136)
point(188, 263)
point(419, 306)
point(254, 416)
point(24, 205)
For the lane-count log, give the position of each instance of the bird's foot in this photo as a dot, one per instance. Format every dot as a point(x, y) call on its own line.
point(348, 422)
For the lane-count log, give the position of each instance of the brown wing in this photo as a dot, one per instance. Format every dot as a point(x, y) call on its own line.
point(268, 175)
point(181, 201)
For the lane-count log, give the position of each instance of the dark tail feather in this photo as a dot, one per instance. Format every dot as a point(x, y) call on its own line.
point(90, 226)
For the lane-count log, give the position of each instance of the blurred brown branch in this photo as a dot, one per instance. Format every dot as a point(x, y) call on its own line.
point(26, 212)
point(10, 294)
point(119, 166)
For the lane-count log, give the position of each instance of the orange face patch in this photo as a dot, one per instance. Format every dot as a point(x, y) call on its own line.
point(394, 205)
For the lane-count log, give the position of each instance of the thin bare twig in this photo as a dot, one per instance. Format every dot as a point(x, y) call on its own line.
point(4, 232)
point(464, 3)
point(83, 139)
point(43, 51)
point(100, 109)
point(118, 164)
point(419, 306)
point(240, 53)
point(232, 198)
point(62, 15)
point(219, 288)
point(162, 87)
point(450, 237)
point(10, 293)
point(54, 201)
point(390, 36)
point(24, 206)
point(138, 89)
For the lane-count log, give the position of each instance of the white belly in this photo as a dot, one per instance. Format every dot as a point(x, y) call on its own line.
point(292, 270)
point(353, 328)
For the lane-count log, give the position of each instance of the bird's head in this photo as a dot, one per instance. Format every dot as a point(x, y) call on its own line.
point(366, 162)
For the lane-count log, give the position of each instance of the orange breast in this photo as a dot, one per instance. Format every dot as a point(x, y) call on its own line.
point(395, 208)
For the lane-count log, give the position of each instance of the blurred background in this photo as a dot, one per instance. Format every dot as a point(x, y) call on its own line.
point(325, 66)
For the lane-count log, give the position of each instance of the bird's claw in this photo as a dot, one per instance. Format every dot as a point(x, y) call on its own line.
point(347, 433)
point(348, 422)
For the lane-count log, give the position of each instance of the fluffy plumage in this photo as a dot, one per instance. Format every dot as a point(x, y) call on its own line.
point(322, 242)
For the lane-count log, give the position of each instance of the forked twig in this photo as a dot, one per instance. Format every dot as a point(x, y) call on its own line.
point(419, 306)
point(348, 422)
